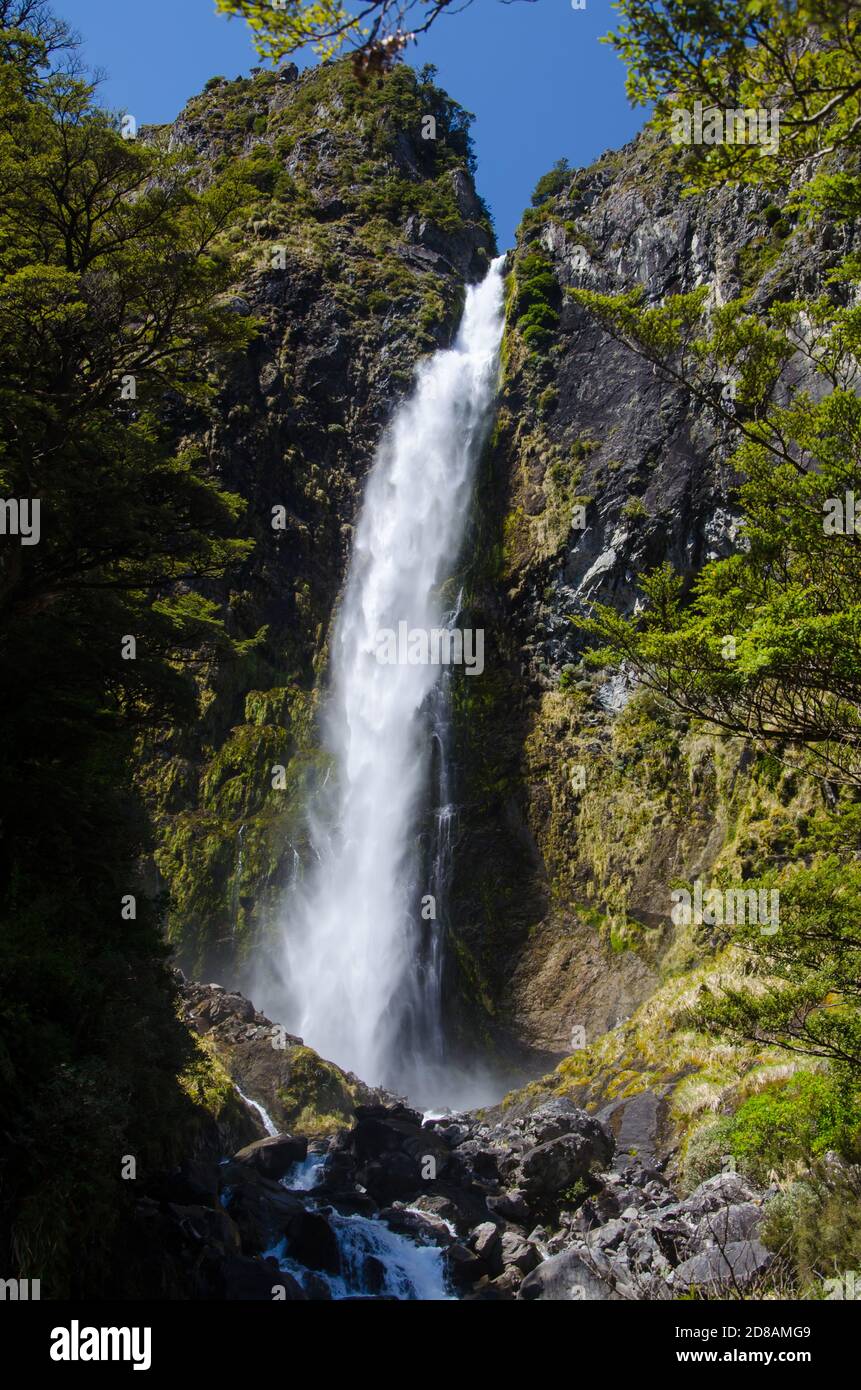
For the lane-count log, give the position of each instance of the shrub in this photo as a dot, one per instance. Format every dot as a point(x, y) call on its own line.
point(635, 509)
point(792, 1122)
point(551, 183)
point(815, 1228)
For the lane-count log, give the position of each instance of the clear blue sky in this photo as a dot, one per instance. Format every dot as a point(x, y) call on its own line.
point(540, 84)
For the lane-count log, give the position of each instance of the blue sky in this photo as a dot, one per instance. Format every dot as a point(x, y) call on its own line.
point(540, 84)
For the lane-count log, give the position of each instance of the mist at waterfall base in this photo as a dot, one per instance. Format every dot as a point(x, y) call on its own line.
point(358, 972)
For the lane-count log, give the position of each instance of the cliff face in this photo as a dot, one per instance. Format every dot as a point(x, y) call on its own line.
point(580, 808)
point(577, 806)
point(356, 247)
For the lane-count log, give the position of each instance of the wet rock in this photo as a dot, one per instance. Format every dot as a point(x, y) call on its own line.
point(374, 1275)
point(422, 1227)
point(209, 1225)
point(273, 1157)
point(247, 1280)
point(312, 1242)
point(316, 1287)
point(261, 1209)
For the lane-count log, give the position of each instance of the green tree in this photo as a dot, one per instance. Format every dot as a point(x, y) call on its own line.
point(112, 314)
point(801, 58)
point(765, 644)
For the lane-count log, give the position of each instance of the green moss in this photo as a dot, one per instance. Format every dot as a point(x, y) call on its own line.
point(317, 1098)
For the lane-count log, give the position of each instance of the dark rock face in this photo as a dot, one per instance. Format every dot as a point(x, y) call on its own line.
point(618, 225)
point(356, 254)
point(311, 1241)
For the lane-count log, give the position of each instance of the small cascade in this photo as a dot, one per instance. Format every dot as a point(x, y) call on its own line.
point(376, 1261)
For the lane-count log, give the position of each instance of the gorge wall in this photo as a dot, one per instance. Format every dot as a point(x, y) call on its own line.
point(560, 911)
point(359, 245)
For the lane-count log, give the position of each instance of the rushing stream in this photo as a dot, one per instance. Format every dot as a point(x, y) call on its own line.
point(374, 1259)
point(360, 975)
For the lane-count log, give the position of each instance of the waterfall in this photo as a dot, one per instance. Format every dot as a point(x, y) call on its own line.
point(361, 969)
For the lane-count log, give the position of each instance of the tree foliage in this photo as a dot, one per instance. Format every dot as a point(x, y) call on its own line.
point(112, 310)
point(801, 58)
point(766, 644)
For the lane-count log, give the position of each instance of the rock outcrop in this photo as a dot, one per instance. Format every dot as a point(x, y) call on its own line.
point(580, 807)
point(295, 1087)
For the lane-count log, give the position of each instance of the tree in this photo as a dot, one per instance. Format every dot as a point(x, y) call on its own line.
point(377, 30)
point(799, 57)
point(112, 317)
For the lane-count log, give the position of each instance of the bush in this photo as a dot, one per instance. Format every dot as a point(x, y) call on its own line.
point(815, 1229)
point(635, 509)
point(552, 182)
point(706, 1152)
point(793, 1122)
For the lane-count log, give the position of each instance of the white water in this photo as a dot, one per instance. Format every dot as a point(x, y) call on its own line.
point(304, 1176)
point(361, 971)
point(266, 1119)
point(409, 1271)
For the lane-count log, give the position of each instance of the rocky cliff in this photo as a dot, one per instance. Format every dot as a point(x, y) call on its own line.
point(577, 805)
point(581, 805)
point(355, 247)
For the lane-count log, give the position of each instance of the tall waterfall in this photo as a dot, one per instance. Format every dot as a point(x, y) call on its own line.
point(361, 964)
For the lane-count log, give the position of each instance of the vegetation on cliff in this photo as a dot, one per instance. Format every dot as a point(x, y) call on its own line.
point(759, 649)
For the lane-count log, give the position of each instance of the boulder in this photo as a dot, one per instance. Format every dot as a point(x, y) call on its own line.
point(511, 1206)
point(391, 1177)
point(567, 1278)
point(463, 1267)
point(740, 1221)
point(722, 1190)
point(547, 1170)
point(485, 1240)
point(519, 1253)
point(718, 1270)
point(247, 1280)
point(312, 1242)
point(261, 1209)
point(273, 1157)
